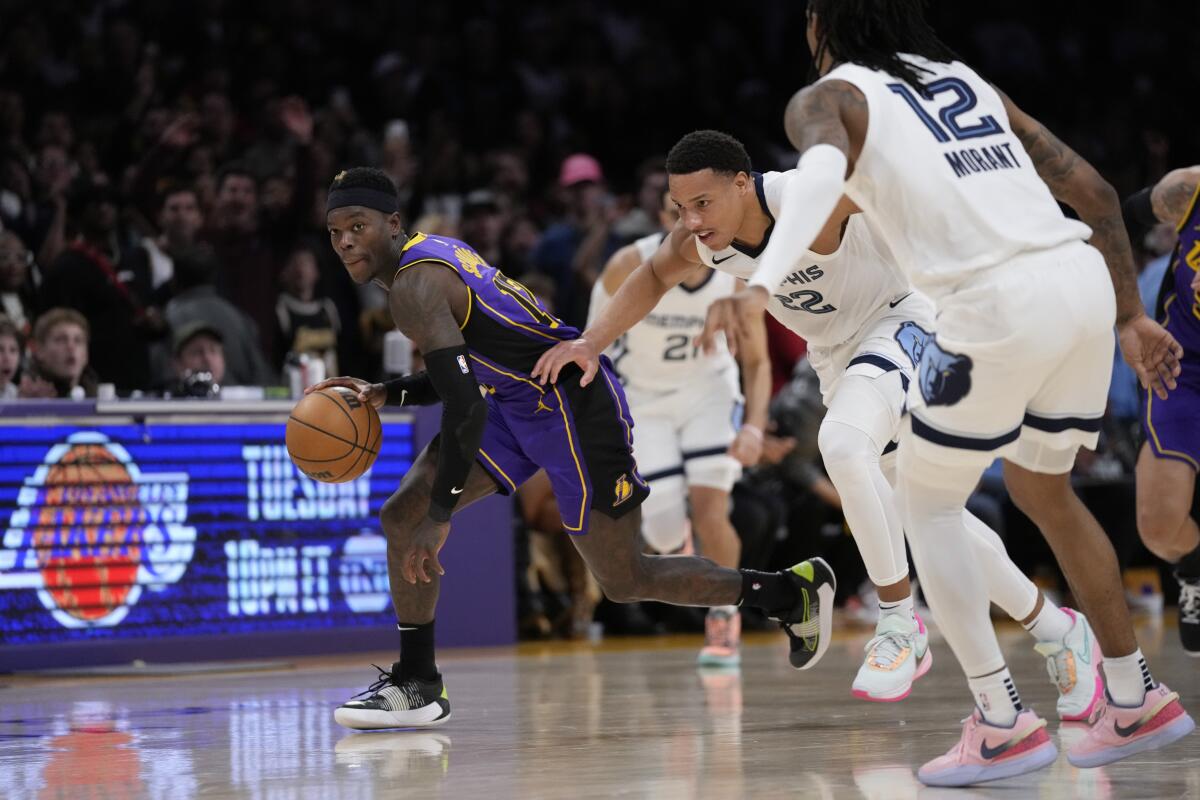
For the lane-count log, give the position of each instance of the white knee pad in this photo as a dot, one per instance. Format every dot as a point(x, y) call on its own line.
point(851, 458)
point(664, 514)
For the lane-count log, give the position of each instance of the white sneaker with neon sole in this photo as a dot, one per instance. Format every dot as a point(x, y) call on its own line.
point(1074, 666)
point(897, 655)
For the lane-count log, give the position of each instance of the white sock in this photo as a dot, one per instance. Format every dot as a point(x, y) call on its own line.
point(902, 608)
point(1128, 678)
point(997, 697)
point(1051, 624)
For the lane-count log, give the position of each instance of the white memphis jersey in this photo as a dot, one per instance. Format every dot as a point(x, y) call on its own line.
point(944, 178)
point(826, 299)
point(659, 353)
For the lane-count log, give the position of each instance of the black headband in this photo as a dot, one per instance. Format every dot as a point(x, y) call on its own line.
point(362, 196)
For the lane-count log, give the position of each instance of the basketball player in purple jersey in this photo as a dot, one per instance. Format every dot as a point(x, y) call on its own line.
point(1170, 457)
point(481, 334)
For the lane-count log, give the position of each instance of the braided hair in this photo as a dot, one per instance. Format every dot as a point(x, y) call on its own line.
point(873, 33)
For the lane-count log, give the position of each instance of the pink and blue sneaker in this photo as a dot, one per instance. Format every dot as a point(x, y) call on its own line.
point(1121, 731)
point(988, 752)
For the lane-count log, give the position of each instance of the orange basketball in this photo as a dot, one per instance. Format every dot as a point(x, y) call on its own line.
point(332, 436)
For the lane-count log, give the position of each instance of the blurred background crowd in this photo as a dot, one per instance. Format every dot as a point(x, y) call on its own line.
point(163, 168)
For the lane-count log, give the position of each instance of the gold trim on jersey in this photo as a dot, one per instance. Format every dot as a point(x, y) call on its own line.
point(1154, 434)
point(516, 324)
point(499, 371)
point(496, 466)
point(582, 481)
point(431, 260)
point(1190, 208)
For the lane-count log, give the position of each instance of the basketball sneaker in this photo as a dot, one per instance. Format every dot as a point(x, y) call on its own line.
point(393, 702)
point(1189, 614)
point(1073, 665)
point(809, 623)
point(722, 635)
point(988, 752)
point(897, 655)
point(1121, 731)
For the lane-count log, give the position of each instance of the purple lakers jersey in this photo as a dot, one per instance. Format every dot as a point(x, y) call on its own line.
point(1179, 304)
point(507, 328)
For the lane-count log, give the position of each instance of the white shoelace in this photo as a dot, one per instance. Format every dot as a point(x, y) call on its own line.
point(887, 647)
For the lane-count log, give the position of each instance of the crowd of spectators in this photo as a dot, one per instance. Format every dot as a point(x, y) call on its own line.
point(163, 165)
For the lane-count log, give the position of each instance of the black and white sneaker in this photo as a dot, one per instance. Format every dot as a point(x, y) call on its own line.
point(1189, 614)
point(395, 703)
point(809, 624)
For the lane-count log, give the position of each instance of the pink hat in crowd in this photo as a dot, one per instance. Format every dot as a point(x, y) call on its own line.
point(579, 168)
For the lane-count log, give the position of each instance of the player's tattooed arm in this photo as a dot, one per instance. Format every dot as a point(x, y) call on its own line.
point(1172, 196)
point(1075, 182)
point(1150, 349)
point(831, 112)
point(423, 300)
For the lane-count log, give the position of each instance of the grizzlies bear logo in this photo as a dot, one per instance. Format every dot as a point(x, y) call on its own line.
point(944, 377)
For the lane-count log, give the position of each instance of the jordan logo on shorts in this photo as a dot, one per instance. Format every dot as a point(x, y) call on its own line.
point(622, 490)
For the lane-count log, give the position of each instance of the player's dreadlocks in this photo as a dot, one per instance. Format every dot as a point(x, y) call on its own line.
point(873, 32)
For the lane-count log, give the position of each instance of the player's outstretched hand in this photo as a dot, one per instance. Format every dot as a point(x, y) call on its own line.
point(747, 446)
point(373, 393)
point(419, 561)
point(1152, 352)
point(733, 316)
point(575, 351)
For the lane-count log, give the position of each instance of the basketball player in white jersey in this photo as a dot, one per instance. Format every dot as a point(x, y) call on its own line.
point(962, 185)
point(691, 453)
point(850, 309)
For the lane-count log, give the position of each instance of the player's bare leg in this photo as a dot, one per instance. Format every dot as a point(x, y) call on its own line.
point(718, 541)
point(411, 693)
point(1164, 518)
point(800, 598)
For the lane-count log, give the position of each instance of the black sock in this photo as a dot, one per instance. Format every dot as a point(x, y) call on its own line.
point(1189, 565)
point(416, 651)
point(770, 591)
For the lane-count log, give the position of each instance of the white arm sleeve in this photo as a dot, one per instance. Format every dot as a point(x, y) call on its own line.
point(808, 200)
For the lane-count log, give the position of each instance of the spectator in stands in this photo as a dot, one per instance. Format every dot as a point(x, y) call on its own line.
point(58, 365)
point(199, 360)
point(573, 251)
point(643, 218)
point(196, 300)
point(307, 323)
point(482, 226)
point(179, 223)
point(16, 285)
point(10, 358)
point(246, 266)
point(96, 277)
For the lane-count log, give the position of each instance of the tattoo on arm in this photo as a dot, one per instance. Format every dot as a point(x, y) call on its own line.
point(832, 112)
point(420, 304)
point(1075, 182)
point(1172, 195)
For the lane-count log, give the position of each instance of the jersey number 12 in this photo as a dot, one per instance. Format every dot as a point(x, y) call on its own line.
point(964, 100)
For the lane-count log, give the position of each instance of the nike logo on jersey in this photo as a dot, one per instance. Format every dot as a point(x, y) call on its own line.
point(722, 260)
point(456, 491)
point(899, 300)
point(403, 395)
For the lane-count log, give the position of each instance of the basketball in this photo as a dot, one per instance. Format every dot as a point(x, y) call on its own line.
point(333, 437)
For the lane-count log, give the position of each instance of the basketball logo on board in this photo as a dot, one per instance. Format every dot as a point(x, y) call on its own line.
point(90, 530)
